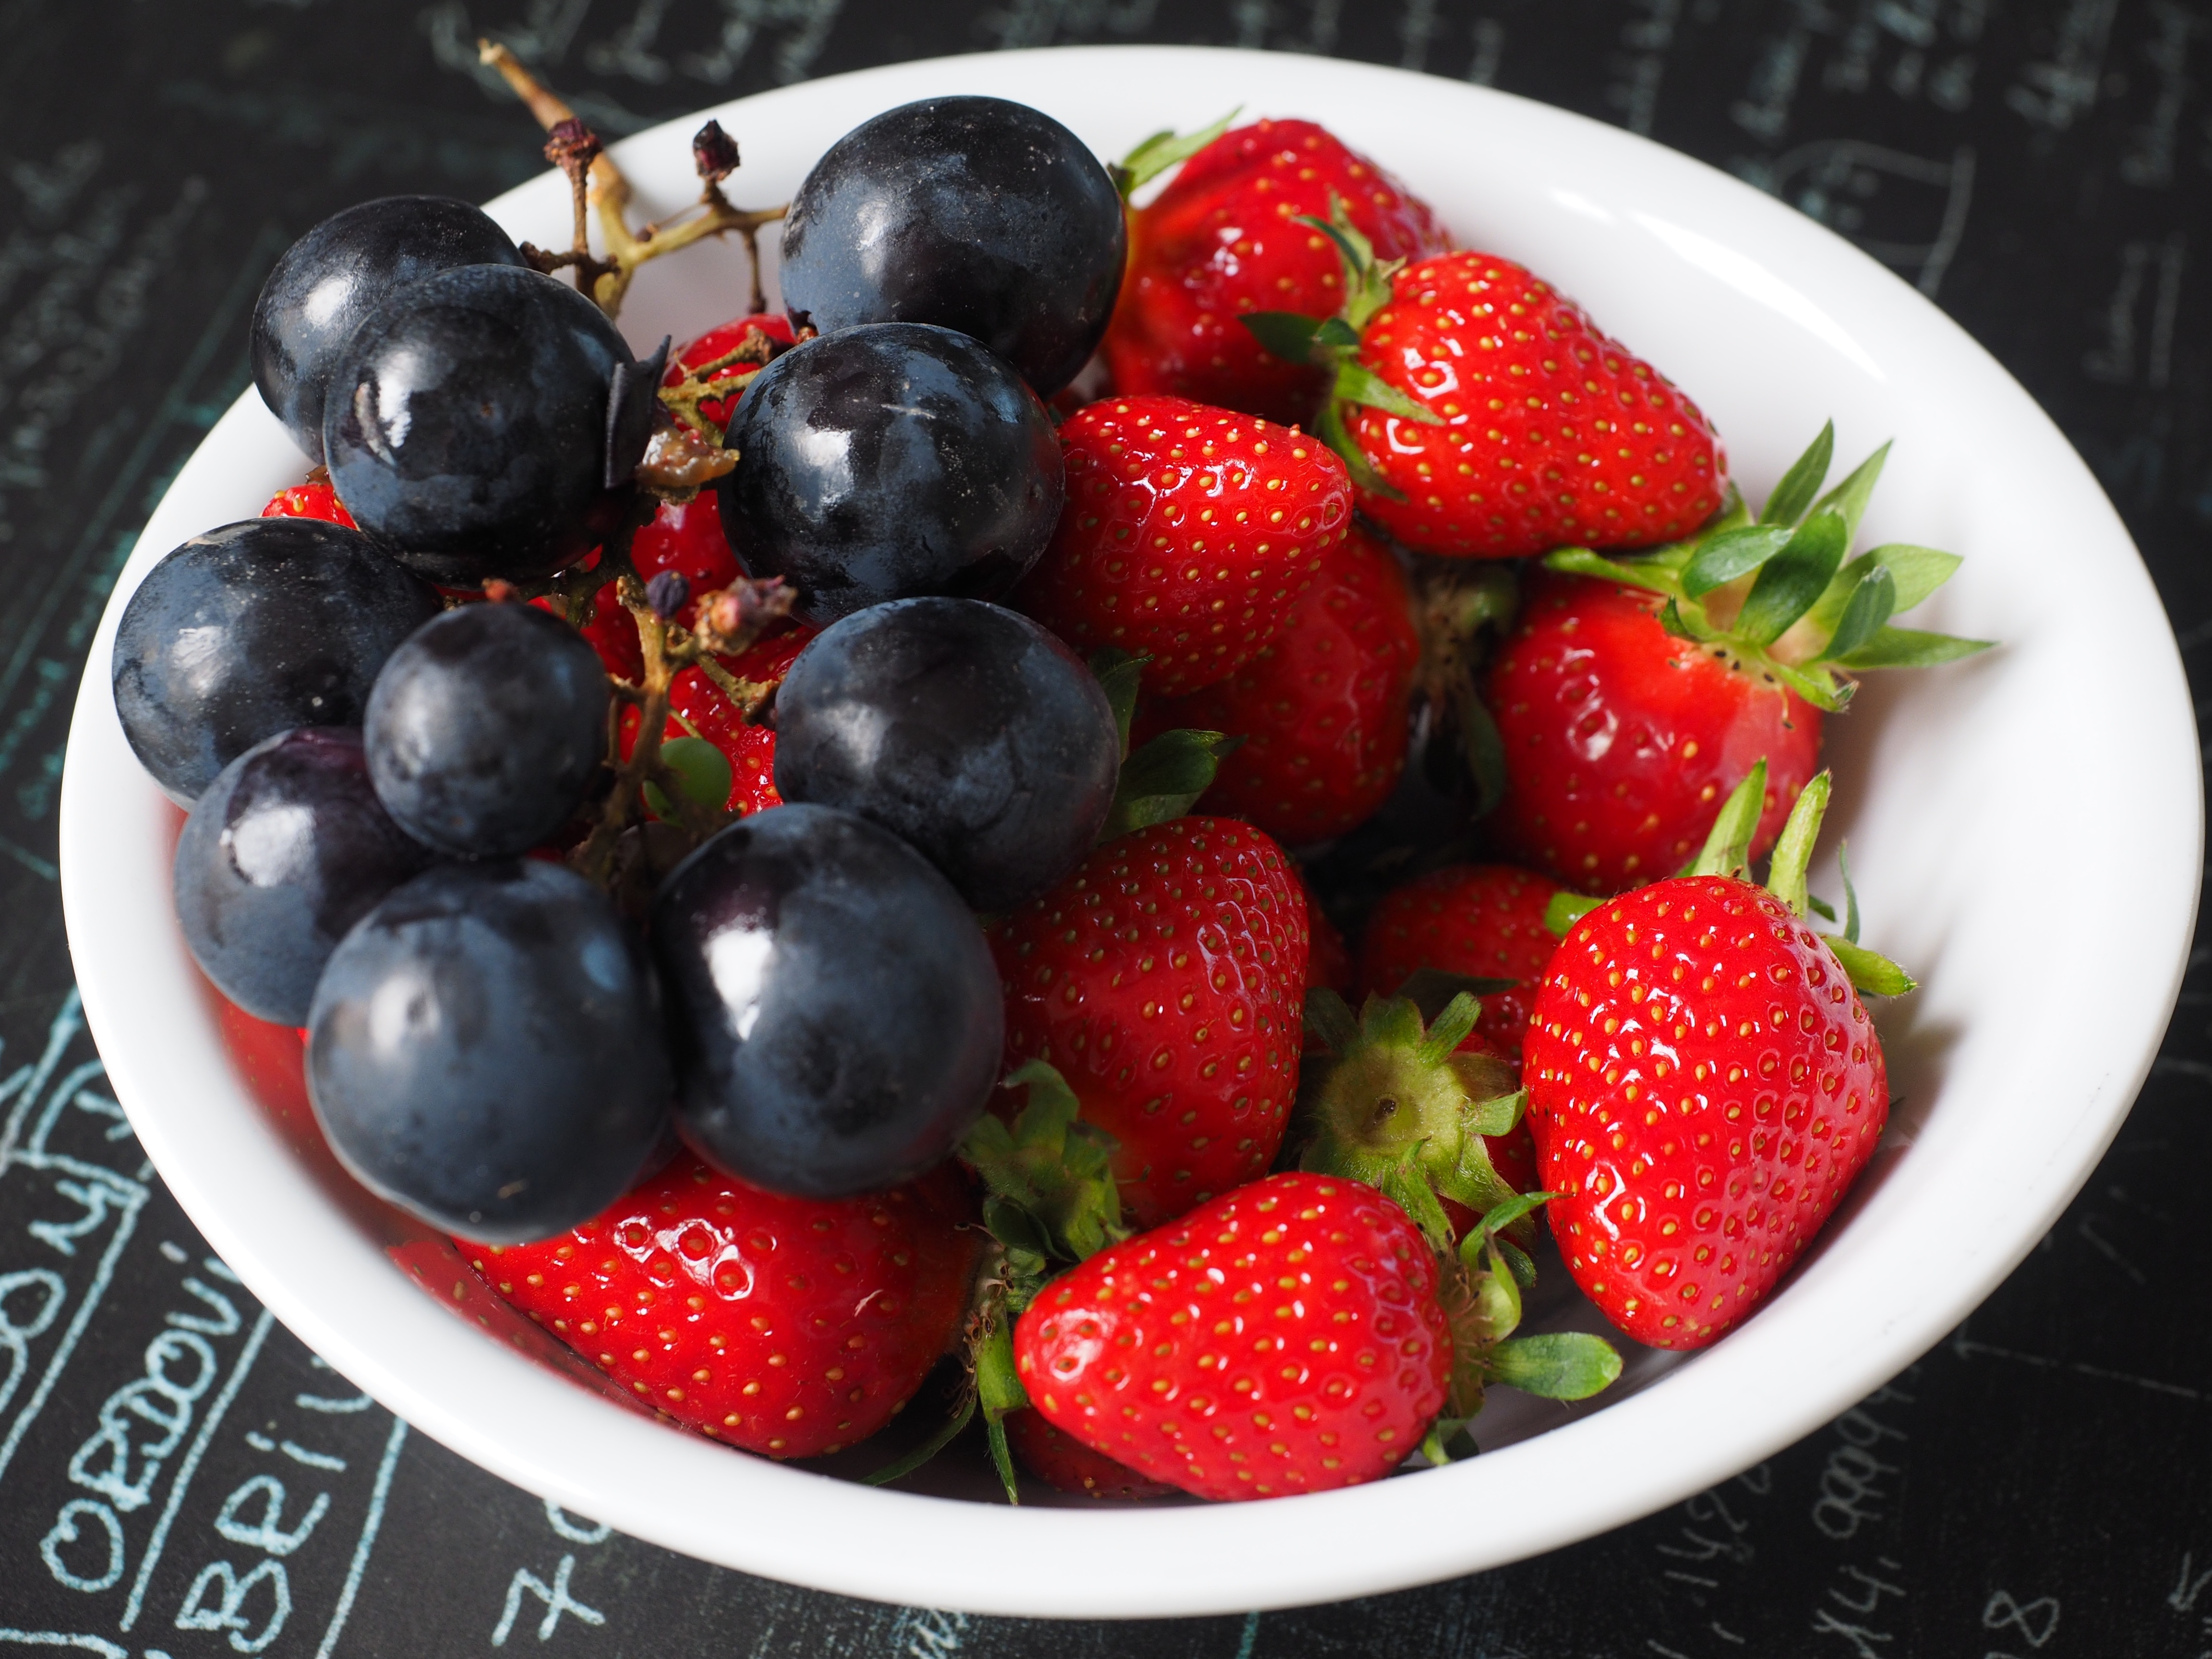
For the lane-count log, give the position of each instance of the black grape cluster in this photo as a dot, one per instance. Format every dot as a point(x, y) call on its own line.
point(387, 752)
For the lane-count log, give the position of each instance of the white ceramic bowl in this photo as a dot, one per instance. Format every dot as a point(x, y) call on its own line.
point(1964, 791)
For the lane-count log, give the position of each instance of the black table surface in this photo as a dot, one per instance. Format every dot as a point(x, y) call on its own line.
point(2040, 1483)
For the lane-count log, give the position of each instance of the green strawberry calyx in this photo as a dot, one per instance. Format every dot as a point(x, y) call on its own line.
point(1481, 1298)
point(1049, 1201)
point(1726, 852)
point(1397, 1104)
point(1164, 779)
point(1333, 344)
point(1780, 594)
point(1165, 148)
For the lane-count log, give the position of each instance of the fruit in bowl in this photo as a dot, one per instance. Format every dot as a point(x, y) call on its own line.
point(632, 858)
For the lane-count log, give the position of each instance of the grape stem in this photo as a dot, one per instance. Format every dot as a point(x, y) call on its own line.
point(602, 185)
point(728, 623)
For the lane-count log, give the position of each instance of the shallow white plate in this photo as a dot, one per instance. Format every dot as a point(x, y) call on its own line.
point(1963, 790)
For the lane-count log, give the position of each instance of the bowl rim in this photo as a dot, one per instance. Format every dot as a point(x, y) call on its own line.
point(664, 1486)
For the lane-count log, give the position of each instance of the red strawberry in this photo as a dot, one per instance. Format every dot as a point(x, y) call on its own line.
point(315, 499)
point(1163, 979)
point(1222, 240)
point(1285, 1337)
point(750, 341)
point(1638, 691)
point(1704, 1084)
point(1322, 707)
point(786, 1325)
point(1621, 740)
point(1187, 535)
point(1066, 1464)
point(1516, 426)
point(1481, 920)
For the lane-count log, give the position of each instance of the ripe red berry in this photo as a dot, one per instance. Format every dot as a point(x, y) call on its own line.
point(313, 499)
point(1285, 1337)
point(1165, 979)
point(1322, 708)
point(786, 1325)
point(1222, 240)
point(1483, 921)
point(1704, 1084)
point(1547, 433)
point(1187, 535)
point(1621, 741)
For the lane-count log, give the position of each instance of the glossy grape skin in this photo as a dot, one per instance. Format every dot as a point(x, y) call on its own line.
point(250, 631)
point(485, 728)
point(466, 425)
point(288, 849)
point(970, 213)
point(485, 1050)
point(836, 1018)
point(326, 283)
point(889, 461)
point(966, 730)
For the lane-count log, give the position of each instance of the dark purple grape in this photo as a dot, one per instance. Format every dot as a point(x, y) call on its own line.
point(285, 851)
point(485, 728)
point(889, 461)
point(968, 731)
point(467, 428)
point(250, 631)
point(836, 1015)
point(333, 276)
point(970, 213)
point(485, 1050)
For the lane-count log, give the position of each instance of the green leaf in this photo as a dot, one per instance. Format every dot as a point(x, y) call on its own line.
point(1851, 894)
point(1722, 558)
point(1484, 747)
point(1165, 778)
point(1850, 497)
point(1820, 907)
point(1908, 647)
point(1870, 971)
point(1448, 1029)
point(1330, 1018)
point(928, 1449)
point(1685, 619)
point(1793, 848)
point(1448, 1441)
point(703, 775)
point(1917, 571)
point(1505, 1215)
point(1162, 150)
point(1803, 481)
point(1524, 1268)
point(1118, 673)
point(1353, 246)
point(1408, 1185)
point(1630, 573)
point(1814, 682)
point(1283, 334)
point(1727, 851)
point(1390, 1021)
point(1496, 1115)
point(1357, 385)
point(1793, 579)
point(1330, 428)
point(1565, 910)
point(1865, 612)
point(1431, 989)
point(1497, 1298)
point(1554, 1365)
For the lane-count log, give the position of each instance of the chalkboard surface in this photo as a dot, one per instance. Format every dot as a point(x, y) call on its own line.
point(180, 1477)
